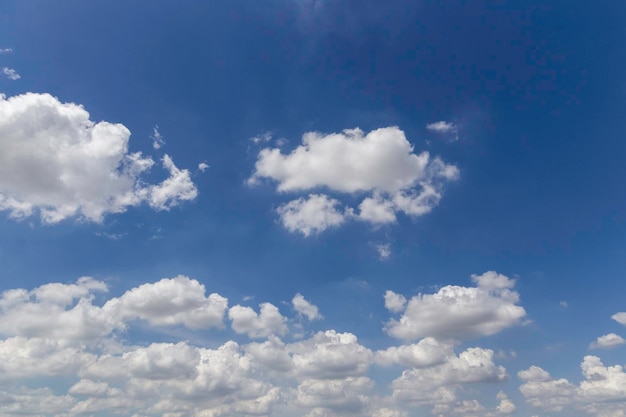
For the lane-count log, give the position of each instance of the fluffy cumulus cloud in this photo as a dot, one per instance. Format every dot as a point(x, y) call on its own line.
point(437, 386)
point(602, 392)
point(77, 336)
point(57, 163)
point(311, 215)
point(380, 168)
point(267, 322)
point(607, 341)
point(302, 306)
point(456, 312)
point(620, 317)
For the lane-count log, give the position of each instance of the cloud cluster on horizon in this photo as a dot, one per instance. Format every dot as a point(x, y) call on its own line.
point(380, 168)
point(61, 331)
point(56, 162)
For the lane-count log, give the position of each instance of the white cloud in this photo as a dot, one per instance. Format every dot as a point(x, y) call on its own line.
point(437, 385)
point(334, 397)
point(442, 127)
point(427, 352)
point(506, 406)
point(620, 317)
point(382, 165)
point(457, 313)
point(384, 251)
point(607, 341)
point(55, 161)
point(178, 300)
point(11, 73)
point(157, 139)
point(268, 322)
point(312, 215)
point(302, 306)
point(394, 302)
point(203, 166)
point(330, 354)
point(601, 393)
point(6, 51)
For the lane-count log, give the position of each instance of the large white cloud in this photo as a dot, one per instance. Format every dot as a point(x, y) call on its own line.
point(267, 322)
point(456, 312)
point(601, 393)
point(58, 163)
point(380, 165)
point(437, 385)
point(607, 341)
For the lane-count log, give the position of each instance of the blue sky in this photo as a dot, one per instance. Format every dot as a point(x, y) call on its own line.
point(312, 208)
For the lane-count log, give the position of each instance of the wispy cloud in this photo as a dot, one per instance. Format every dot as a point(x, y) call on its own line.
point(11, 73)
point(4, 51)
point(443, 128)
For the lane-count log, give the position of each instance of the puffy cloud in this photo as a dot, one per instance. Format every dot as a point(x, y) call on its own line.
point(620, 317)
point(203, 166)
point(384, 251)
point(456, 312)
point(334, 397)
point(381, 164)
point(607, 341)
point(437, 385)
point(60, 311)
point(427, 352)
point(311, 215)
point(268, 322)
point(55, 160)
point(305, 308)
point(601, 393)
point(66, 311)
point(11, 73)
point(506, 406)
point(34, 402)
point(171, 301)
point(394, 302)
point(330, 355)
point(442, 127)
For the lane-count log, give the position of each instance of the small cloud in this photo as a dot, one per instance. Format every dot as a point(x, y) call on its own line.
point(112, 236)
point(281, 142)
point(302, 306)
point(248, 297)
point(203, 166)
point(4, 51)
point(384, 251)
point(620, 317)
point(263, 138)
point(11, 73)
point(157, 138)
point(444, 128)
point(608, 341)
point(563, 304)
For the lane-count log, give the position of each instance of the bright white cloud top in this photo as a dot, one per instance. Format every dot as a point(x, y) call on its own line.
point(57, 163)
point(457, 313)
point(381, 166)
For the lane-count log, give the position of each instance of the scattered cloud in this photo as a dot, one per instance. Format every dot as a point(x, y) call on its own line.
point(203, 166)
point(601, 393)
point(267, 322)
point(56, 162)
point(302, 306)
point(394, 302)
point(263, 138)
point(620, 318)
point(447, 129)
point(608, 341)
point(311, 215)
point(456, 312)
point(380, 165)
point(4, 51)
point(157, 139)
point(11, 73)
point(384, 251)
